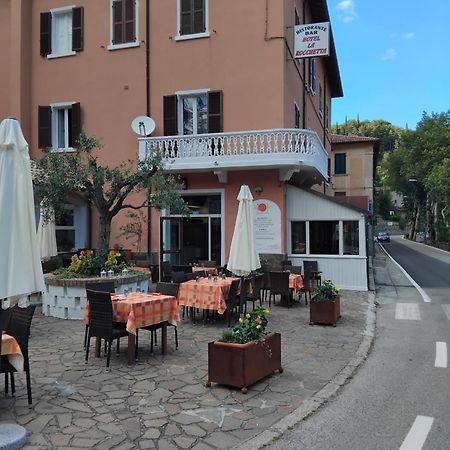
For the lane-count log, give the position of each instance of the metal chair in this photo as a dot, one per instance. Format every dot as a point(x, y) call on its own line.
point(279, 285)
point(101, 323)
point(18, 327)
point(312, 266)
point(256, 291)
point(166, 271)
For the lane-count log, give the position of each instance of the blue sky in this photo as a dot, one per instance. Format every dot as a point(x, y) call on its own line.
point(394, 59)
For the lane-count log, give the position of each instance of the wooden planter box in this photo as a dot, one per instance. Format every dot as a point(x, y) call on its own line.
point(242, 365)
point(325, 312)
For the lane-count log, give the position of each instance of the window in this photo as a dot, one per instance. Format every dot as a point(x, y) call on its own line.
point(59, 126)
point(320, 98)
point(296, 116)
point(61, 32)
point(298, 237)
point(312, 75)
point(351, 237)
point(124, 24)
point(65, 230)
point(192, 19)
point(193, 112)
point(324, 237)
point(327, 117)
point(339, 194)
point(296, 16)
point(340, 166)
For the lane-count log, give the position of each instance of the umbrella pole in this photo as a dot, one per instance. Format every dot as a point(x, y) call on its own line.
point(242, 296)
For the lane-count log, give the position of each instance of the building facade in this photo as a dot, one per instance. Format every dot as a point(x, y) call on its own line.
point(231, 106)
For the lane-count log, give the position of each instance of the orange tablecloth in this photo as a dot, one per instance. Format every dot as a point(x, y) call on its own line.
point(207, 270)
point(205, 294)
point(139, 310)
point(11, 349)
point(295, 282)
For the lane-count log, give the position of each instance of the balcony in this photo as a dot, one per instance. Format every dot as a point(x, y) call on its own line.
point(290, 150)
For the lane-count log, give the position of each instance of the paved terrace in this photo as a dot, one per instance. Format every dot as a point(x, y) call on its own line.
point(161, 402)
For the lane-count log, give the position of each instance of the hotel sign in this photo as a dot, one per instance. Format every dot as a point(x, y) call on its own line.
point(311, 40)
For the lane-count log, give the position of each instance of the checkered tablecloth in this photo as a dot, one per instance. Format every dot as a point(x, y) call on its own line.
point(139, 310)
point(207, 270)
point(11, 349)
point(205, 294)
point(295, 282)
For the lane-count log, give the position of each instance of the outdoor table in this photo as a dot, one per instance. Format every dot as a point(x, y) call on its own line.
point(140, 310)
point(11, 349)
point(205, 293)
point(207, 270)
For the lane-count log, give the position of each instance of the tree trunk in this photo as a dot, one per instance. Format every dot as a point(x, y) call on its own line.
point(104, 234)
point(412, 231)
point(431, 234)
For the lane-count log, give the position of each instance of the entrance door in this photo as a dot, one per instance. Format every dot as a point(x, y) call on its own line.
point(171, 238)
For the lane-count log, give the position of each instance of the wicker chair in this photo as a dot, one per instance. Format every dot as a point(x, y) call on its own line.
point(101, 323)
point(166, 289)
point(279, 285)
point(166, 271)
point(102, 286)
point(256, 291)
point(232, 300)
point(179, 277)
point(207, 263)
point(312, 266)
point(19, 328)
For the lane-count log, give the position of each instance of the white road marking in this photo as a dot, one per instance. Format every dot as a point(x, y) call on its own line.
point(446, 309)
point(418, 433)
point(441, 355)
point(423, 294)
point(407, 311)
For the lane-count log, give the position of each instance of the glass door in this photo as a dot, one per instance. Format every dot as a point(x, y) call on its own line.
point(171, 232)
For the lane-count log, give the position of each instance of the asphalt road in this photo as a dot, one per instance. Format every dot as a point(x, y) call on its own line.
point(398, 399)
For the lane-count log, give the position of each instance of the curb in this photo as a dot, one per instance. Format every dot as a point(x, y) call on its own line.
point(320, 398)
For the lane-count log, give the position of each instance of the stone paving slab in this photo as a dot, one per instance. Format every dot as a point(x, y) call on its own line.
point(161, 402)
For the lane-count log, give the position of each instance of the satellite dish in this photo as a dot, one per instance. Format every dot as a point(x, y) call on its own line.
point(143, 125)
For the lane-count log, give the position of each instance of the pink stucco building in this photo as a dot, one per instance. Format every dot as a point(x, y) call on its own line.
point(230, 103)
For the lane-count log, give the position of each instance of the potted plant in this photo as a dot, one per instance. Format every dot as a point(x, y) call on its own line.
point(246, 353)
point(325, 305)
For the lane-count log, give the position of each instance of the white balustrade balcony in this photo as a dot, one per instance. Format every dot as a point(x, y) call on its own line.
point(291, 150)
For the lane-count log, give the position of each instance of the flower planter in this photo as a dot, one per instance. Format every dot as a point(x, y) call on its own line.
point(325, 312)
point(66, 299)
point(242, 365)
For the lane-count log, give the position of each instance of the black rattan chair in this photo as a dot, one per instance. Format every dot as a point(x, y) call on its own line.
point(279, 285)
point(179, 277)
point(166, 271)
point(102, 286)
point(232, 300)
point(312, 266)
point(18, 327)
point(256, 291)
point(207, 263)
point(101, 323)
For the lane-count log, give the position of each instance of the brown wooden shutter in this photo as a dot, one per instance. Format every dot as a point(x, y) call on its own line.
point(117, 22)
point(74, 124)
point(45, 127)
point(129, 22)
point(46, 33)
point(199, 16)
point(170, 115)
point(77, 29)
point(215, 112)
point(186, 17)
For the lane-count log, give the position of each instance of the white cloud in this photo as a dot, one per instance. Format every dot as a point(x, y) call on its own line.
point(409, 35)
point(346, 11)
point(389, 54)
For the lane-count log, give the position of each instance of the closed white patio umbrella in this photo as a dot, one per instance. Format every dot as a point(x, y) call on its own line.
point(20, 262)
point(243, 258)
point(46, 236)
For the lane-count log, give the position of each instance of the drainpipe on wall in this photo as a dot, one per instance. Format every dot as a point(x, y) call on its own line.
point(147, 91)
point(304, 73)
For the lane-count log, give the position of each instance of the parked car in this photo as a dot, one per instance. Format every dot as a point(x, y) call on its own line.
point(383, 236)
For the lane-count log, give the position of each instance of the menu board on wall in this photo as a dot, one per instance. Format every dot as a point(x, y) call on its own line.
point(267, 226)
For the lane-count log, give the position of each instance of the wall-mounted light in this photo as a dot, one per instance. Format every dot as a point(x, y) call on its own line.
point(258, 189)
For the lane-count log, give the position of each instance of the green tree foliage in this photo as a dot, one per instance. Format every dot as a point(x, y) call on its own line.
point(109, 189)
point(388, 134)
